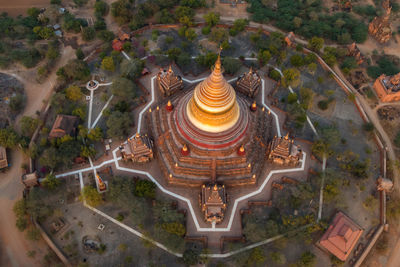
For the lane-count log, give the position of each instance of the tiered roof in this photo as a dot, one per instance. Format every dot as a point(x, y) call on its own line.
point(249, 83)
point(168, 81)
point(283, 151)
point(341, 236)
point(138, 149)
point(213, 202)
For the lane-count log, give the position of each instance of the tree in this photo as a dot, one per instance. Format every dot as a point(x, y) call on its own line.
point(175, 228)
point(124, 89)
point(108, 64)
point(256, 257)
point(106, 36)
point(49, 158)
point(79, 54)
point(17, 103)
point(274, 74)
point(121, 11)
point(118, 124)
point(297, 60)
point(185, 15)
point(100, 8)
point(52, 53)
point(144, 188)
point(231, 65)
point(91, 196)
point(190, 34)
point(28, 125)
point(87, 151)
point(316, 43)
point(75, 70)
point(238, 26)
point(132, 69)
point(51, 182)
point(278, 258)
point(190, 257)
point(44, 32)
point(218, 35)
point(307, 259)
point(211, 18)
point(20, 214)
point(8, 137)
point(263, 57)
point(88, 33)
point(74, 93)
point(95, 134)
point(291, 77)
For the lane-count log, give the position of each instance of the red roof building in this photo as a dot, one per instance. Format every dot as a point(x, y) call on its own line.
point(63, 125)
point(341, 236)
point(117, 45)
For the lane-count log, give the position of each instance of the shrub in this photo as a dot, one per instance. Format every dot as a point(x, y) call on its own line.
point(145, 188)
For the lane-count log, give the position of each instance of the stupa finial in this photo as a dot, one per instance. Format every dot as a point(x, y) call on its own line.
point(218, 62)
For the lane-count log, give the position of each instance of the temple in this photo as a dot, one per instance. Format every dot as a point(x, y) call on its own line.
point(138, 149)
point(353, 51)
point(379, 27)
point(341, 236)
point(64, 125)
point(201, 135)
point(388, 87)
point(249, 83)
point(283, 151)
point(168, 81)
point(213, 201)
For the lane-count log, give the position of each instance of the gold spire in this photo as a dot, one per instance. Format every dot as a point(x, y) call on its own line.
point(213, 107)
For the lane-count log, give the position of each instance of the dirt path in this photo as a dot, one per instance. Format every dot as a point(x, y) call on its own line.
point(13, 243)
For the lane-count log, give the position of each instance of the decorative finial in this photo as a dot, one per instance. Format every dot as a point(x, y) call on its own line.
point(170, 69)
point(137, 135)
point(287, 136)
point(218, 62)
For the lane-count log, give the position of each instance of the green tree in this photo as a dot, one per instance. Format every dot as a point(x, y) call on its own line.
point(231, 65)
point(88, 151)
point(263, 57)
point(49, 158)
point(185, 15)
point(95, 134)
point(175, 228)
point(79, 54)
point(238, 26)
point(118, 124)
point(74, 93)
point(256, 257)
point(108, 64)
point(307, 259)
point(91, 196)
point(211, 18)
point(190, 257)
point(100, 8)
point(44, 32)
point(28, 125)
point(144, 188)
point(132, 69)
point(75, 70)
point(297, 60)
point(52, 53)
point(316, 43)
point(20, 214)
point(121, 10)
point(291, 77)
point(51, 182)
point(124, 89)
point(8, 137)
point(17, 103)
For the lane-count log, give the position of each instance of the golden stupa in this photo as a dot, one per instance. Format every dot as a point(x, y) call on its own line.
point(213, 106)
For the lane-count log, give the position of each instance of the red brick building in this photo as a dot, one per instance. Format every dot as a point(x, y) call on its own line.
point(388, 87)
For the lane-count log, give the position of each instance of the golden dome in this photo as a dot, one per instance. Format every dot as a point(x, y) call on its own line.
point(213, 107)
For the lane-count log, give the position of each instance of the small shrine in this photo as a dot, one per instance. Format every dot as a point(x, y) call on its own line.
point(249, 83)
point(168, 81)
point(290, 39)
point(283, 151)
point(380, 28)
point(353, 51)
point(388, 87)
point(138, 149)
point(341, 236)
point(213, 200)
point(101, 185)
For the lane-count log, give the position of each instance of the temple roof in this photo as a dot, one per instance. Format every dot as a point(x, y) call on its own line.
point(341, 236)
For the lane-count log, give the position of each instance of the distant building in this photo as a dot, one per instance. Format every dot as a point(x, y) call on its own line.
point(380, 28)
point(30, 179)
point(3, 158)
point(168, 81)
point(249, 83)
point(290, 39)
point(138, 149)
point(123, 35)
point(117, 45)
point(64, 125)
point(283, 151)
point(388, 87)
point(341, 236)
point(353, 51)
point(213, 200)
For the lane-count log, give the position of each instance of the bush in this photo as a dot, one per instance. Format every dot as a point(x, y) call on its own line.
point(323, 104)
point(145, 188)
point(292, 98)
point(88, 33)
point(91, 196)
point(274, 74)
point(175, 228)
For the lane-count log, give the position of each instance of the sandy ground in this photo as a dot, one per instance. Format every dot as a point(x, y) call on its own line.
point(19, 7)
point(13, 245)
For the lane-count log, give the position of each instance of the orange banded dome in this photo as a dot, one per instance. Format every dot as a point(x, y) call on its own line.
point(213, 107)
